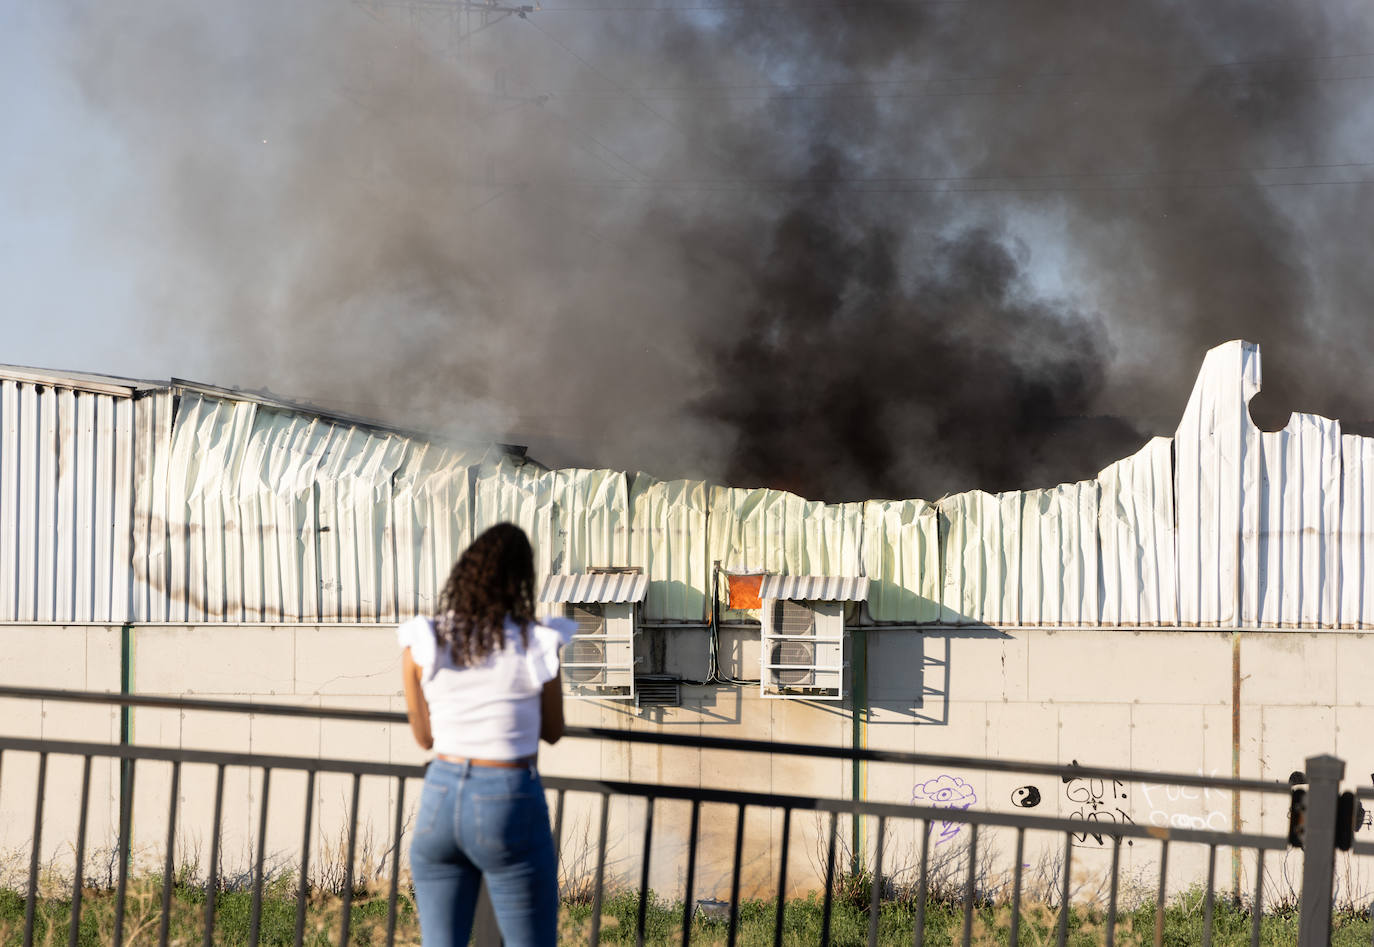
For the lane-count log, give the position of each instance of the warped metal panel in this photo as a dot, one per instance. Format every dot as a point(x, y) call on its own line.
point(618, 587)
point(1059, 555)
point(981, 556)
point(901, 553)
point(760, 530)
point(207, 436)
point(432, 519)
point(151, 566)
point(66, 475)
point(814, 588)
point(591, 519)
point(512, 490)
point(1298, 505)
point(1357, 532)
point(278, 516)
point(1136, 533)
point(1217, 467)
point(668, 541)
point(353, 497)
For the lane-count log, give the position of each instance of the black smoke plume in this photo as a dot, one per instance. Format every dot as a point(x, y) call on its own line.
point(850, 248)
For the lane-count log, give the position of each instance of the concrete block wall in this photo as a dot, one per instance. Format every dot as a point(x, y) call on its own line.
point(1149, 700)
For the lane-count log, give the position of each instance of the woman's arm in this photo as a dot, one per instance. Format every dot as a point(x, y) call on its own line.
point(417, 709)
point(551, 710)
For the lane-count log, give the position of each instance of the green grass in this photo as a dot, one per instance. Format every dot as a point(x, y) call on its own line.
point(1183, 922)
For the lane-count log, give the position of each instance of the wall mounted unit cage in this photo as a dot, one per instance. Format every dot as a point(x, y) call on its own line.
point(802, 618)
point(599, 662)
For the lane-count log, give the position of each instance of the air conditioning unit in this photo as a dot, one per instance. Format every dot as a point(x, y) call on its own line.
point(599, 661)
point(802, 619)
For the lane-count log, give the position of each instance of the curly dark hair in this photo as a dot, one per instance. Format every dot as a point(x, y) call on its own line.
point(493, 578)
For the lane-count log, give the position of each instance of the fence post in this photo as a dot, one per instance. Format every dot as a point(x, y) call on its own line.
point(1324, 774)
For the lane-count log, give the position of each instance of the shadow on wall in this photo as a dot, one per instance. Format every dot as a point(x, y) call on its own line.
point(911, 671)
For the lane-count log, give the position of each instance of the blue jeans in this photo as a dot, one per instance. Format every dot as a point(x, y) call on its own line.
point(487, 822)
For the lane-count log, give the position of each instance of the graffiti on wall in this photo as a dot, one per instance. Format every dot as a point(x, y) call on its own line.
point(1186, 807)
point(1099, 803)
point(944, 792)
point(1026, 797)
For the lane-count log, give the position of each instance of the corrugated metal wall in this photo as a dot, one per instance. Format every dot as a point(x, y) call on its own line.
point(66, 500)
point(232, 510)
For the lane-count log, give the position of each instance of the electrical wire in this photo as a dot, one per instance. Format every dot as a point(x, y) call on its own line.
point(983, 77)
point(759, 5)
point(956, 184)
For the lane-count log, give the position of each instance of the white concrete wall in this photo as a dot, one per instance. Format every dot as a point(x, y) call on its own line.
point(1148, 700)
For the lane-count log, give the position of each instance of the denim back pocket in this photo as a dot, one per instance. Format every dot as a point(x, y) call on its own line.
point(506, 822)
point(433, 799)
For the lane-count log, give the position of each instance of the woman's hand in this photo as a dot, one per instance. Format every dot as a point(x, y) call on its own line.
point(417, 708)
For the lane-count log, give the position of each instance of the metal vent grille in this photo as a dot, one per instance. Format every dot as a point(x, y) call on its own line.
point(582, 651)
point(658, 690)
point(590, 618)
point(794, 618)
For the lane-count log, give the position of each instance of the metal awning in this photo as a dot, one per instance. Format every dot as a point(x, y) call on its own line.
point(815, 588)
point(595, 587)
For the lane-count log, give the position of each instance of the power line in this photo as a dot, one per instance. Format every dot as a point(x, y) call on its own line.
point(760, 5)
point(815, 91)
point(994, 77)
point(619, 85)
point(978, 184)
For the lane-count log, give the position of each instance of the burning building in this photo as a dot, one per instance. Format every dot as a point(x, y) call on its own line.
point(1203, 604)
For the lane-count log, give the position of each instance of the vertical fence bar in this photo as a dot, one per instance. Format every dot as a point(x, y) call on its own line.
point(1209, 908)
point(1062, 937)
point(255, 912)
point(829, 879)
point(640, 913)
point(303, 890)
point(733, 932)
point(875, 896)
point(212, 883)
point(393, 889)
point(126, 819)
point(346, 922)
point(1115, 891)
point(558, 827)
point(782, 877)
point(1015, 932)
point(968, 884)
point(1159, 896)
point(600, 867)
point(1257, 914)
point(922, 884)
point(37, 843)
point(74, 931)
point(1324, 774)
point(169, 863)
point(691, 871)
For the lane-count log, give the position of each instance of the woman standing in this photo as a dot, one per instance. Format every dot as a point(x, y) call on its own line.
point(482, 687)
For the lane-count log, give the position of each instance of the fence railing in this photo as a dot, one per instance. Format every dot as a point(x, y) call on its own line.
point(963, 879)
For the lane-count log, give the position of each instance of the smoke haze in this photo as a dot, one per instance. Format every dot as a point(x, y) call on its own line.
point(850, 248)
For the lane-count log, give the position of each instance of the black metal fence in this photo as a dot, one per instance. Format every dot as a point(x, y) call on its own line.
point(1321, 820)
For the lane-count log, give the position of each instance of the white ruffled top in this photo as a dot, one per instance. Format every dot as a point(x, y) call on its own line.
point(489, 711)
